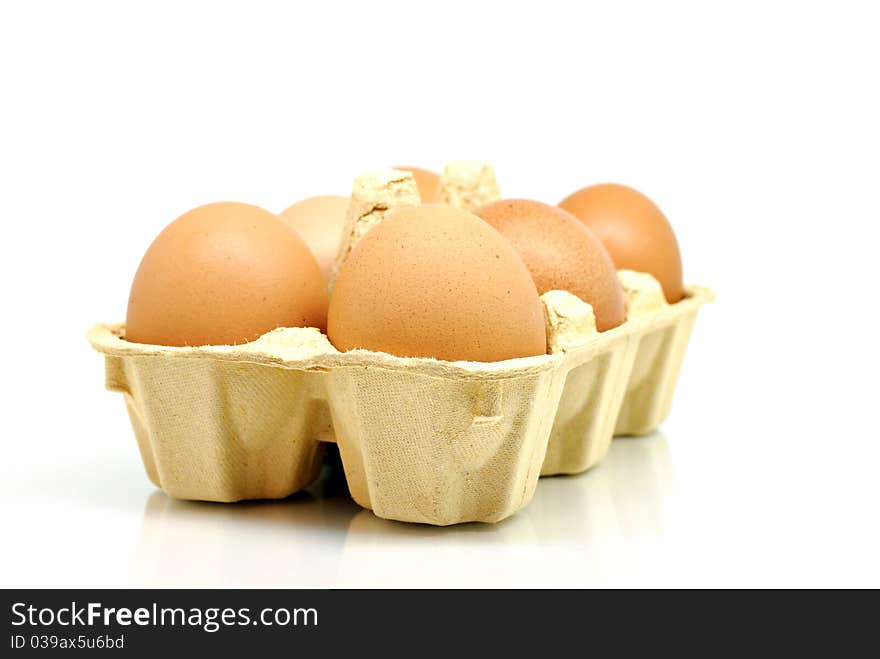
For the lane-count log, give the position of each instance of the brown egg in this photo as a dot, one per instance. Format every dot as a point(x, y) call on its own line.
point(221, 274)
point(436, 281)
point(426, 181)
point(561, 253)
point(635, 232)
point(319, 221)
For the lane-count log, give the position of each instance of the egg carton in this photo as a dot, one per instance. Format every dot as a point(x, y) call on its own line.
point(421, 440)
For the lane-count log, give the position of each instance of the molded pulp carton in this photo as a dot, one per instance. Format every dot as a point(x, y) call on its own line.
point(421, 440)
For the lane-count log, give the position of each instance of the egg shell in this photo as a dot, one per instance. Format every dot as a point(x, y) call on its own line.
point(372, 196)
point(435, 281)
point(426, 181)
point(634, 230)
point(224, 273)
point(561, 253)
point(319, 221)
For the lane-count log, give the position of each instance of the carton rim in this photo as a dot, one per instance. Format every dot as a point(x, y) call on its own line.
point(308, 349)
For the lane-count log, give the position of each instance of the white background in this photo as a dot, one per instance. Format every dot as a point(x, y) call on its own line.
point(755, 128)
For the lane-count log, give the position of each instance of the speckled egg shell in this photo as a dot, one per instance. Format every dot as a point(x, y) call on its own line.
point(634, 230)
point(435, 281)
point(222, 274)
point(561, 253)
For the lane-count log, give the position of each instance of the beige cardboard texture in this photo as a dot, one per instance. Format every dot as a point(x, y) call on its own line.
point(221, 431)
point(373, 194)
point(465, 184)
point(468, 184)
point(659, 355)
point(625, 385)
point(422, 448)
point(421, 440)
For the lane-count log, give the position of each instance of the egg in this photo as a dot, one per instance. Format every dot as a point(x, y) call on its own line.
point(561, 254)
point(224, 273)
point(426, 181)
point(436, 281)
point(319, 221)
point(634, 230)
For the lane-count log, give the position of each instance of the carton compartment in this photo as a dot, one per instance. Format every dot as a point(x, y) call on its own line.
point(222, 431)
point(651, 384)
point(585, 419)
point(421, 448)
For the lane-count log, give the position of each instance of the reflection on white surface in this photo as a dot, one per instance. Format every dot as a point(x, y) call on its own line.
point(295, 541)
point(321, 538)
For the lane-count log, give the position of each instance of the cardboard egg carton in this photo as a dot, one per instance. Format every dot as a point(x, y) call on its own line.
point(421, 440)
